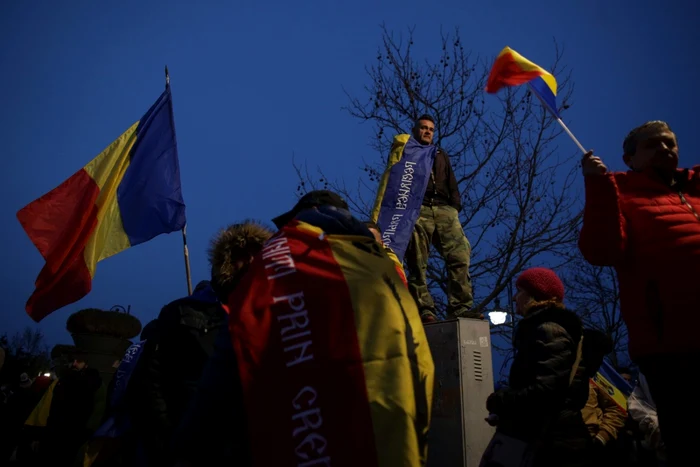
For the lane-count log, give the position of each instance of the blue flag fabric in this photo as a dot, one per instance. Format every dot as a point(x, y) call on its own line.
point(403, 196)
point(118, 422)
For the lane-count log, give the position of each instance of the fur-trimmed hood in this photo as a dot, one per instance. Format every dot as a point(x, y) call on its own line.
point(230, 252)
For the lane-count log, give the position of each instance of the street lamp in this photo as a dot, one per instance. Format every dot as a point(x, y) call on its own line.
point(497, 316)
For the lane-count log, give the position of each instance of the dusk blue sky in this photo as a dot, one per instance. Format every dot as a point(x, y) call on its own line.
point(255, 82)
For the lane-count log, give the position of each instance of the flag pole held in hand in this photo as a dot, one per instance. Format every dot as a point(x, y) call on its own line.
point(559, 120)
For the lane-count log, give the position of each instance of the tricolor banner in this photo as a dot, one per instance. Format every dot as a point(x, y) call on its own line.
point(614, 385)
point(401, 191)
point(333, 359)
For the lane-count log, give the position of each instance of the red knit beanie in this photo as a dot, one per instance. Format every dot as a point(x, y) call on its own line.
point(542, 284)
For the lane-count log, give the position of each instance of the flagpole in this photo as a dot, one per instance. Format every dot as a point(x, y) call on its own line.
point(559, 120)
point(188, 272)
point(187, 260)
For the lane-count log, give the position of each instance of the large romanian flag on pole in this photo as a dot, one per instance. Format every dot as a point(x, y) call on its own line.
point(127, 195)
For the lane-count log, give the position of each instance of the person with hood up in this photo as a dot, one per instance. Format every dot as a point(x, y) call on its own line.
point(202, 438)
point(538, 415)
point(327, 360)
point(183, 339)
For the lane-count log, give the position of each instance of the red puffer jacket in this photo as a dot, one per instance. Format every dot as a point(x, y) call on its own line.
point(650, 233)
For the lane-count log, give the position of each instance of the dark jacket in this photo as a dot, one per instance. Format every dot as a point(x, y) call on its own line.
point(442, 187)
point(172, 363)
point(72, 405)
point(73, 400)
point(540, 404)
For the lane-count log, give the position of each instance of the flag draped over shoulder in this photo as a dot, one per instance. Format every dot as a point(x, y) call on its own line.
point(401, 191)
point(614, 385)
point(512, 69)
point(127, 195)
point(325, 374)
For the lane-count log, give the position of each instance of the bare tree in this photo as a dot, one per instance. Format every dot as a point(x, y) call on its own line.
point(26, 352)
point(593, 292)
point(516, 186)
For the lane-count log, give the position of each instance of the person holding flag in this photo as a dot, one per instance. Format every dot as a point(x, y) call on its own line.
point(646, 224)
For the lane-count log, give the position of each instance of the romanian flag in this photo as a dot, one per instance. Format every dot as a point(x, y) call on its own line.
point(127, 195)
point(333, 359)
point(512, 69)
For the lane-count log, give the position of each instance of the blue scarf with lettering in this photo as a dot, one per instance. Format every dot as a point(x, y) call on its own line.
point(403, 196)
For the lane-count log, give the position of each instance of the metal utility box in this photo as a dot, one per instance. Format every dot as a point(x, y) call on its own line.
point(461, 351)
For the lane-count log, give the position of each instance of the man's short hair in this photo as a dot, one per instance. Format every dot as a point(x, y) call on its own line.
point(425, 117)
point(629, 146)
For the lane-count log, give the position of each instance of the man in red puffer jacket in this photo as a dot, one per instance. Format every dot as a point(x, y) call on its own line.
point(646, 224)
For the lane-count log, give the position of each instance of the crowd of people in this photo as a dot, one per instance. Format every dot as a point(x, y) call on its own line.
point(306, 346)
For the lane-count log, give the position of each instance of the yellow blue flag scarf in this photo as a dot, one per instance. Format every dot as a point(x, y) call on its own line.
point(401, 191)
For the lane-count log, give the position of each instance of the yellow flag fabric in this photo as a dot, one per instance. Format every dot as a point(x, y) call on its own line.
point(394, 156)
point(40, 414)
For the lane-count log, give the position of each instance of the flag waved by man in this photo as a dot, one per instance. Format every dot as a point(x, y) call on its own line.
point(401, 191)
point(127, 195)
point(512, 69)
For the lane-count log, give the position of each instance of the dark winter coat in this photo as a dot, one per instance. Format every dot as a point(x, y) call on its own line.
point(541, 403)
point(167, 375)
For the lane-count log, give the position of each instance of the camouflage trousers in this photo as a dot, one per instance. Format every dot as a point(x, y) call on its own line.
point(440, 226)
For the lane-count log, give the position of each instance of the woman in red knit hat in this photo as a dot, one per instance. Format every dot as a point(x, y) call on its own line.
point(540, 410)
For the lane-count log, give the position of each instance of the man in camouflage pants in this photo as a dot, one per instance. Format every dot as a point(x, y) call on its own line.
point(439, 224)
